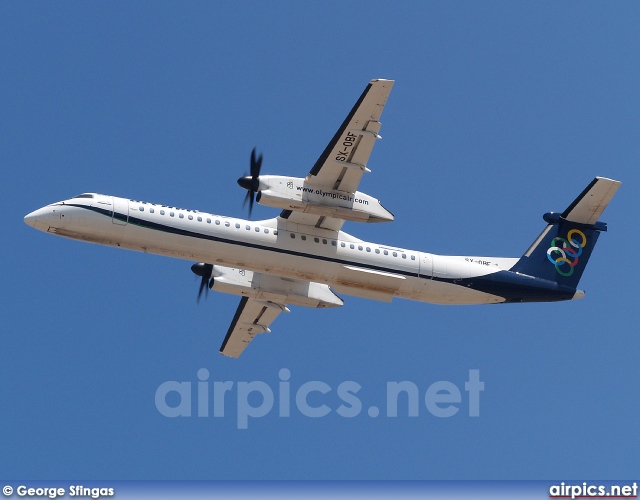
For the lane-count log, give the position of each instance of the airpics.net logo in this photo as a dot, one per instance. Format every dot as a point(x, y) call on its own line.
point(591, 490)
point(313, 399)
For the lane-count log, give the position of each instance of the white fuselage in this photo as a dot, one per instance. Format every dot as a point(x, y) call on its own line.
point(275, 246)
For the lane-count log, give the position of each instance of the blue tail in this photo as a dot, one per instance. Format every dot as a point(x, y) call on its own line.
point(562, 250)
point(560, 253)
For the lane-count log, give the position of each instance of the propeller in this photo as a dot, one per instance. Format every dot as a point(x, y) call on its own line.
point(251, 182)
point(205, 271)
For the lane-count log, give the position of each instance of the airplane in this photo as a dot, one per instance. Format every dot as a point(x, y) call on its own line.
point(303, 258)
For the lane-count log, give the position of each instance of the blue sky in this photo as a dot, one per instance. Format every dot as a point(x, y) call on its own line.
point(501, 111)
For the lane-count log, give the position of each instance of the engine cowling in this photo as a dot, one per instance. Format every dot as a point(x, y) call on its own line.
point(292, 193)
point(267, 287)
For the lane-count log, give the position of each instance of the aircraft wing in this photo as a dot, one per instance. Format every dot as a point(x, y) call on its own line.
point(344, 160)
point(252, 316)
point(312, 220)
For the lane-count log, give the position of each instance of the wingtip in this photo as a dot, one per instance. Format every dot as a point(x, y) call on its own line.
point(608, 179)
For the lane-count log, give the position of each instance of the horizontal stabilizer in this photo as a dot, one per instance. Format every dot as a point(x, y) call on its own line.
point(588, 207)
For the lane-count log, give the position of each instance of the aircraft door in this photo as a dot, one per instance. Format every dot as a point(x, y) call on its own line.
point(120, 212)
point(423, 283)
point(426, 265)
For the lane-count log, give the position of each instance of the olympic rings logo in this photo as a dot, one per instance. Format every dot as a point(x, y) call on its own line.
point(569, 253)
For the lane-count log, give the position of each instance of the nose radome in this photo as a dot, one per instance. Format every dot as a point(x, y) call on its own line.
point(38, 218)
point(31, 219)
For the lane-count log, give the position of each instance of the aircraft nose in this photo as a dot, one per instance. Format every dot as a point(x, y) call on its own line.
point(38, 218)
point(31, 219)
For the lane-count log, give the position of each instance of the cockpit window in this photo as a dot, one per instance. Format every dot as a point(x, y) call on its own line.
point(85, 195)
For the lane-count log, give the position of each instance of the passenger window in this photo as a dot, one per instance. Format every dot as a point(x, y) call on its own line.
point(377, 250)
point(343, 245)
point(266, 231)
point(334, 243)
point(404, 256)
point(227, 224)
point(208, 221)
point(199, 219)
point(275, 232)
point(395, 254)
point(292, 235)
point(317, 240)
point(413, 257)
point(359, 247)
point(368, 249)
point(257, 229)
point(181, 216)
point(386, 253)
point(171, 214)
point(237, 226)
point(352, 246)
point(247, 228)
point(151, 210)
point(324, 242)
point(303, 237)
point(141, 209)
point(161, 212)
point(191, 217)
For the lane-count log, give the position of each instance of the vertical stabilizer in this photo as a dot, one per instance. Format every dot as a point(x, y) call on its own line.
point(562, 250)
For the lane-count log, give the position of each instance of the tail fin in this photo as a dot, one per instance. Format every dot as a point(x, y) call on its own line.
point(562, 250)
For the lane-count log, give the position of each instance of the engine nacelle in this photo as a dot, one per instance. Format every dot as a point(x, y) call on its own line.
point(270, 288)
point(293, 193)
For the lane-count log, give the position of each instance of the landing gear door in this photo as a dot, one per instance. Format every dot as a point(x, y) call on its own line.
point(120, 213)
